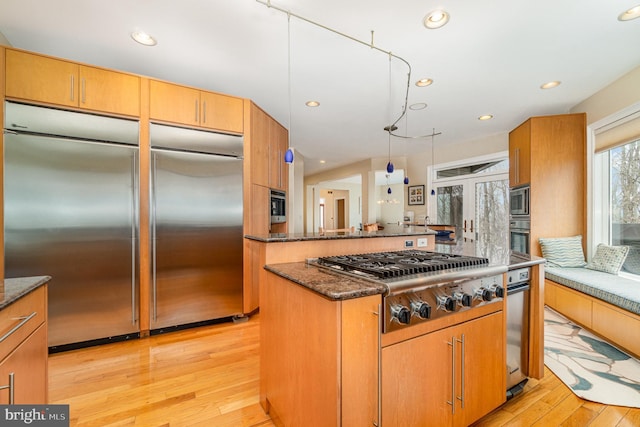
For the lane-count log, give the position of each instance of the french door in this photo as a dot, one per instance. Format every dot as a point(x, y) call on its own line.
point(478, 207)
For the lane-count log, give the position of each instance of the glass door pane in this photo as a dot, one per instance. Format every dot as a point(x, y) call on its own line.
point(450, 207)
point(492, 216)
point(478, 208)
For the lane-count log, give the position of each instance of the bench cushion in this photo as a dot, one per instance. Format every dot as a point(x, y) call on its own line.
point(616, 290)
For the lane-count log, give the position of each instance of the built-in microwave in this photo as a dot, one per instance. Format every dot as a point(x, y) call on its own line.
point(278, 207)
point(519, 201)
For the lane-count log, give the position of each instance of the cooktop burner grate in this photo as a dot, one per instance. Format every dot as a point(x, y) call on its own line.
point(401, 263)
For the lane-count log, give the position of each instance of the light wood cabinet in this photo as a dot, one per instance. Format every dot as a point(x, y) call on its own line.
point(278, 145)
point(192, 107)
point(23, 347)
point(450, 377)
point(520, 155)
point(40, 78)
point(259, 150)
point(318, 358)
point(269, 142)
point(549, 154)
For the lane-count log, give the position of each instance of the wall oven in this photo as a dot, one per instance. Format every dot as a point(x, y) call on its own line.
point(520, 235)
point(519, 201)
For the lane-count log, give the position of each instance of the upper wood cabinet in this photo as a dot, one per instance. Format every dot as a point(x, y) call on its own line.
point(520, 155)
point(269, 142)
point(184, 105)
point(549, 154)
point(54, 81)
point(259, 150)
point(278, 145)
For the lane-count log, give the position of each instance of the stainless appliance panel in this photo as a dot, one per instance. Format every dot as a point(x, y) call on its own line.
point(519, 201)
point(197, 237)
point(278, 206)
point(71, 213)
point(520, 236)
point(517, 328)
point(175, 138)
point(52, 121)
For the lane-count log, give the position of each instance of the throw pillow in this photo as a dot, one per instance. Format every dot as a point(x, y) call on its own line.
point(608, 258)
point(563, 251)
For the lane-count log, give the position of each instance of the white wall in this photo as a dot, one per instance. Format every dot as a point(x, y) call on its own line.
point(3, 40)
point(613, 98)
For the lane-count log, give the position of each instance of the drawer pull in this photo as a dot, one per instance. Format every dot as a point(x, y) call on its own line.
point(23, 319)
point(10, 387)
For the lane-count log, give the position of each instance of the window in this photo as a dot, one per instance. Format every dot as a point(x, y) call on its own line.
point(617, 200)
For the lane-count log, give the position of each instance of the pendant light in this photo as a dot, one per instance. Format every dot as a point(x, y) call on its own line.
point(288, 155)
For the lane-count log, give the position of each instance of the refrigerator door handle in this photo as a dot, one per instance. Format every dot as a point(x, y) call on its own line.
point(134, 214)
point(154, 288)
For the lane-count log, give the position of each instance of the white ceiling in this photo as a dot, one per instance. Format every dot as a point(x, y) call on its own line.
point(490, 58)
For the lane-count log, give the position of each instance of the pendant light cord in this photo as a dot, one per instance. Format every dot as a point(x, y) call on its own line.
point(370, 45)
point(289, 76)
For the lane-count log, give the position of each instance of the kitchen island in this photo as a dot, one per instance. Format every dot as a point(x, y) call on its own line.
point(325, 360)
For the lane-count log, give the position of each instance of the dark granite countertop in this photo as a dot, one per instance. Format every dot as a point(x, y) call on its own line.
point(338, 286)
point(14, 289)
point(331, 285)
point(389, 231)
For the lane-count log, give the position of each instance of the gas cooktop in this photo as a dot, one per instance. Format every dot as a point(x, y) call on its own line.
point(385, 265)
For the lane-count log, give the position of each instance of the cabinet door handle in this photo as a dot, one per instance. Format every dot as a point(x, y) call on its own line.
point(204, 111)
point(71, 84)
point(517, 166)
point(83, 93)
point(471, 226)
point(461, 398)
point(452, 402)
point(269, 164)
point(197, 118)
point(11, 388)
point(23, 319)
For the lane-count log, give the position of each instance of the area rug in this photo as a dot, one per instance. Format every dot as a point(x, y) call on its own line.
point(594, 369)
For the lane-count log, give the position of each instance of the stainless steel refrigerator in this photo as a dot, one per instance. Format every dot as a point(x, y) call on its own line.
point(71, 212)
point(196, 226)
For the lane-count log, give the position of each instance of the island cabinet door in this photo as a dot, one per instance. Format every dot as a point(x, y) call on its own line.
point(417, 381)
point(451, 377)
point(359, 341)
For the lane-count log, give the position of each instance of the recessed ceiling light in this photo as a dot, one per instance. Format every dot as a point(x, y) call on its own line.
point(630, 14)
point(418, 106)
point(312, 103)
point(323, 162)
point(485, 117)
point(550, 85)
point(424, 82)
point(436, 19)
point(143, 38)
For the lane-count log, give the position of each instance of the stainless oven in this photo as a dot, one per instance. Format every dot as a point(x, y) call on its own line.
point(519, 201)
point(520, 235)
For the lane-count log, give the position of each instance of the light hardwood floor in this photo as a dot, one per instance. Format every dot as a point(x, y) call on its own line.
point(208, 376)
